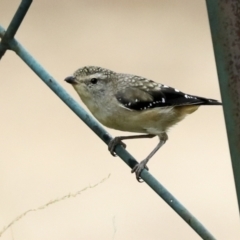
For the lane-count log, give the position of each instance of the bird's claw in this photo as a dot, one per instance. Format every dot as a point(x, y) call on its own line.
point(138, 169)
point(113, 143)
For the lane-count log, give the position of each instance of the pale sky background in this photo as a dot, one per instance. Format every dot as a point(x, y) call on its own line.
point(47, 152)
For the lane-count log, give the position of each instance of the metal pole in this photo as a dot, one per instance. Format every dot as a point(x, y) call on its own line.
point(224, 18)
point(14, 25)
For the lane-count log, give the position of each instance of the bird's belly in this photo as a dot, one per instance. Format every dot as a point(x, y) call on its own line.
point(152, 121)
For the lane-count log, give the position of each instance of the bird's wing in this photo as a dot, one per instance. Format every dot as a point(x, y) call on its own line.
point(156, 95)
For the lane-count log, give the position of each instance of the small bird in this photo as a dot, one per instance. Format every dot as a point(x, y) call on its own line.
point(134, 104)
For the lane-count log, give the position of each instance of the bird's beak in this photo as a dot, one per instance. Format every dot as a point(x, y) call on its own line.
point(70, 80)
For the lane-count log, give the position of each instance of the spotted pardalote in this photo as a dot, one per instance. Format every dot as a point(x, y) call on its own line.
point(134, 104)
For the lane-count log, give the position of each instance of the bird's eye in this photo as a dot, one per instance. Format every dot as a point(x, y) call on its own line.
point(94, 80)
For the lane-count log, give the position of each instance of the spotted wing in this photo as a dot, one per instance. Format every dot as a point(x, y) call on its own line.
point(135, 98)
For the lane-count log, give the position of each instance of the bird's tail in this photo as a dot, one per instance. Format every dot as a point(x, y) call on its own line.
point(207, 101)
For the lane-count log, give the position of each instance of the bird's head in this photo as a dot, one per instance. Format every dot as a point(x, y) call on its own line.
point(91, 81)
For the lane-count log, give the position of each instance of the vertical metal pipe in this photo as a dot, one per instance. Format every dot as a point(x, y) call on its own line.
point(224, 18)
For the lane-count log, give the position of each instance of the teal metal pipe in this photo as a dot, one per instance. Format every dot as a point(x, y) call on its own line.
point(14, 25)
point(101, 132)
point(224, 18)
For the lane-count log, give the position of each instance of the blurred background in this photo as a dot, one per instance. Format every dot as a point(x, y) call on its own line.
point(47, 152)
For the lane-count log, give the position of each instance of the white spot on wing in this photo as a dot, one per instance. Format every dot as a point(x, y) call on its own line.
point(122, 106)
point(163, 100)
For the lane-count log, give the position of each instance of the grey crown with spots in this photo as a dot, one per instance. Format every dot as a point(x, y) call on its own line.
point(138, 93)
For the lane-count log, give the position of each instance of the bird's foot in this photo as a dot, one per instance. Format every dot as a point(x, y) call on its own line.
point(113, 143)
point(138, 169)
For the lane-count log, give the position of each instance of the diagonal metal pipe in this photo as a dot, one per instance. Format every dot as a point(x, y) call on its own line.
point(101, 132)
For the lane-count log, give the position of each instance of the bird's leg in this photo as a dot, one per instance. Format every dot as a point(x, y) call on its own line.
point(118, 141)
point(140, 166)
